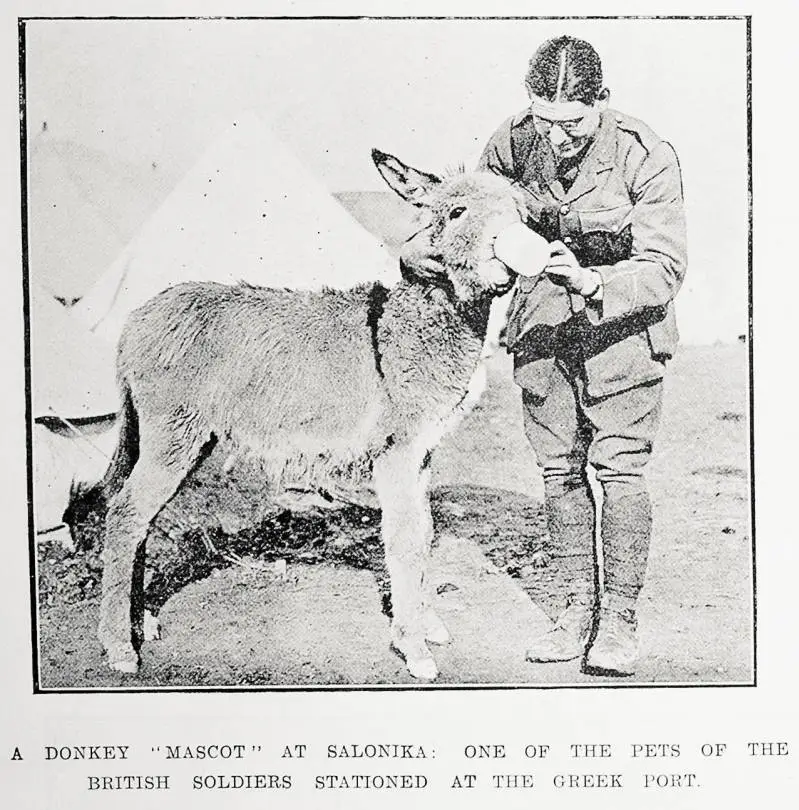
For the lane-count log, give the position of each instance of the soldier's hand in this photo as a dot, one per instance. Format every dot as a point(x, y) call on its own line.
point(564, 269)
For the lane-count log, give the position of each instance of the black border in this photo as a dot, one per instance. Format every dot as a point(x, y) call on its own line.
point(375, 688)
point(751, 343)
point(26, 314)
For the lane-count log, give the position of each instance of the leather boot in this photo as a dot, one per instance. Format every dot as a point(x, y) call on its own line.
point(570, 521)
point(626, 530)
point(567, 639)
point(615, 648)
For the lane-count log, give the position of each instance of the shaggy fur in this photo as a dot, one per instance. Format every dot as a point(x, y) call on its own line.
point(316, 384)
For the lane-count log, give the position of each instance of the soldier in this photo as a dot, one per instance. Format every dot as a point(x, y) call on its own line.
point(591, 335)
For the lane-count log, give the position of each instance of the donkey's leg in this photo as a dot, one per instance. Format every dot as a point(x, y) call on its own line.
point(151, 626)
point(155, 478)
point(435, 631)
point(137, 596)
point(407, 530)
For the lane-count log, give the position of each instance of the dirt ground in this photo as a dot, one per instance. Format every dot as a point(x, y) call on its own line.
point(251, 594)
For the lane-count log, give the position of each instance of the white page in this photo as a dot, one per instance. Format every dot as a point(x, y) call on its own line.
point(152, 95)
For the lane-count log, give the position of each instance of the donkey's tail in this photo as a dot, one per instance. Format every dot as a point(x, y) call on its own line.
point(85, 499)
point(127, 449)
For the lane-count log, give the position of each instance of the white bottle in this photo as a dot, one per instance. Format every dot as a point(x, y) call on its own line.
point(522, 250)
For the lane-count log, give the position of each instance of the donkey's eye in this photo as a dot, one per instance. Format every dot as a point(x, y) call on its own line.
point(456, 212)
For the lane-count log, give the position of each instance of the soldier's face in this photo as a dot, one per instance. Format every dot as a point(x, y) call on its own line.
point(566, 125)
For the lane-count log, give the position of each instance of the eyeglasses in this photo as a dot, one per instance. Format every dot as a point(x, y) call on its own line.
point(570, 126)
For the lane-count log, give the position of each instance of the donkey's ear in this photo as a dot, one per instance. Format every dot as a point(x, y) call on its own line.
point(411, 184)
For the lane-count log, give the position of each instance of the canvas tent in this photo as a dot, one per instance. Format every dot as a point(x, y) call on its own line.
point(72, 371)
point(248, 210)
point(384, 214)
point(72, 389)
point(83, 207)
point(73, 233)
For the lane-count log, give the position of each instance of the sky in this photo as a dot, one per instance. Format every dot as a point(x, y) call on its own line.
point(431, 92)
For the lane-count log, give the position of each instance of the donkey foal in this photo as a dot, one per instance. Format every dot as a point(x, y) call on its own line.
point(367, 379)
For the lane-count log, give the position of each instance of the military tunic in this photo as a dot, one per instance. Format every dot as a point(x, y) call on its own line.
point(623, 217)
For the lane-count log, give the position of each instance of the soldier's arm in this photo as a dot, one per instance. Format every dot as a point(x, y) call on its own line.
point(655, 270)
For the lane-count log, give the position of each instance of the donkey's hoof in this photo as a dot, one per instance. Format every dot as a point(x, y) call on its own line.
point(423, 669)
point(152, 627)
point(128, 667)
point(123, 659)
point(418, 659)
point(435, 631)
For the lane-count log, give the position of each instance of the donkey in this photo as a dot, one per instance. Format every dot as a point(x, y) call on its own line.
point(366, 380)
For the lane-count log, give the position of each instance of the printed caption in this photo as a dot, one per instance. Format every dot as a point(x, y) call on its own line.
point(589, 766)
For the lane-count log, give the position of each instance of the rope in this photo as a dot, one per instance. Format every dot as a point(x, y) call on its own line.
point(80, 435)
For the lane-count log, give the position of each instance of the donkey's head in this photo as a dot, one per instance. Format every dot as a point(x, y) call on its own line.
point(467, 211)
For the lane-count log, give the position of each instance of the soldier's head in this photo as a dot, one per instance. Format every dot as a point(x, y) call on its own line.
point(564, 82)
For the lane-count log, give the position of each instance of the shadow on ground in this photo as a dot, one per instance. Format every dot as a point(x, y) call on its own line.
point(251, 594)
point(330, 559)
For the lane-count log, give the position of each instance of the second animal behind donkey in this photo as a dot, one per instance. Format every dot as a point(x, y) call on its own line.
point(367, 379)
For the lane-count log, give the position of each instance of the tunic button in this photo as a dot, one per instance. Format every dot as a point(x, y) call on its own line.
point(564, 209)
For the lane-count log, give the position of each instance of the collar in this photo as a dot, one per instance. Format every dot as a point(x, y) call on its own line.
point(604, 151)
point(600, 157)
point(522, 116)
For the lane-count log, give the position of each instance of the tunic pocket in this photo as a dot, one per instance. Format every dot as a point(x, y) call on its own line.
point(612, 220)
point(605, 237)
